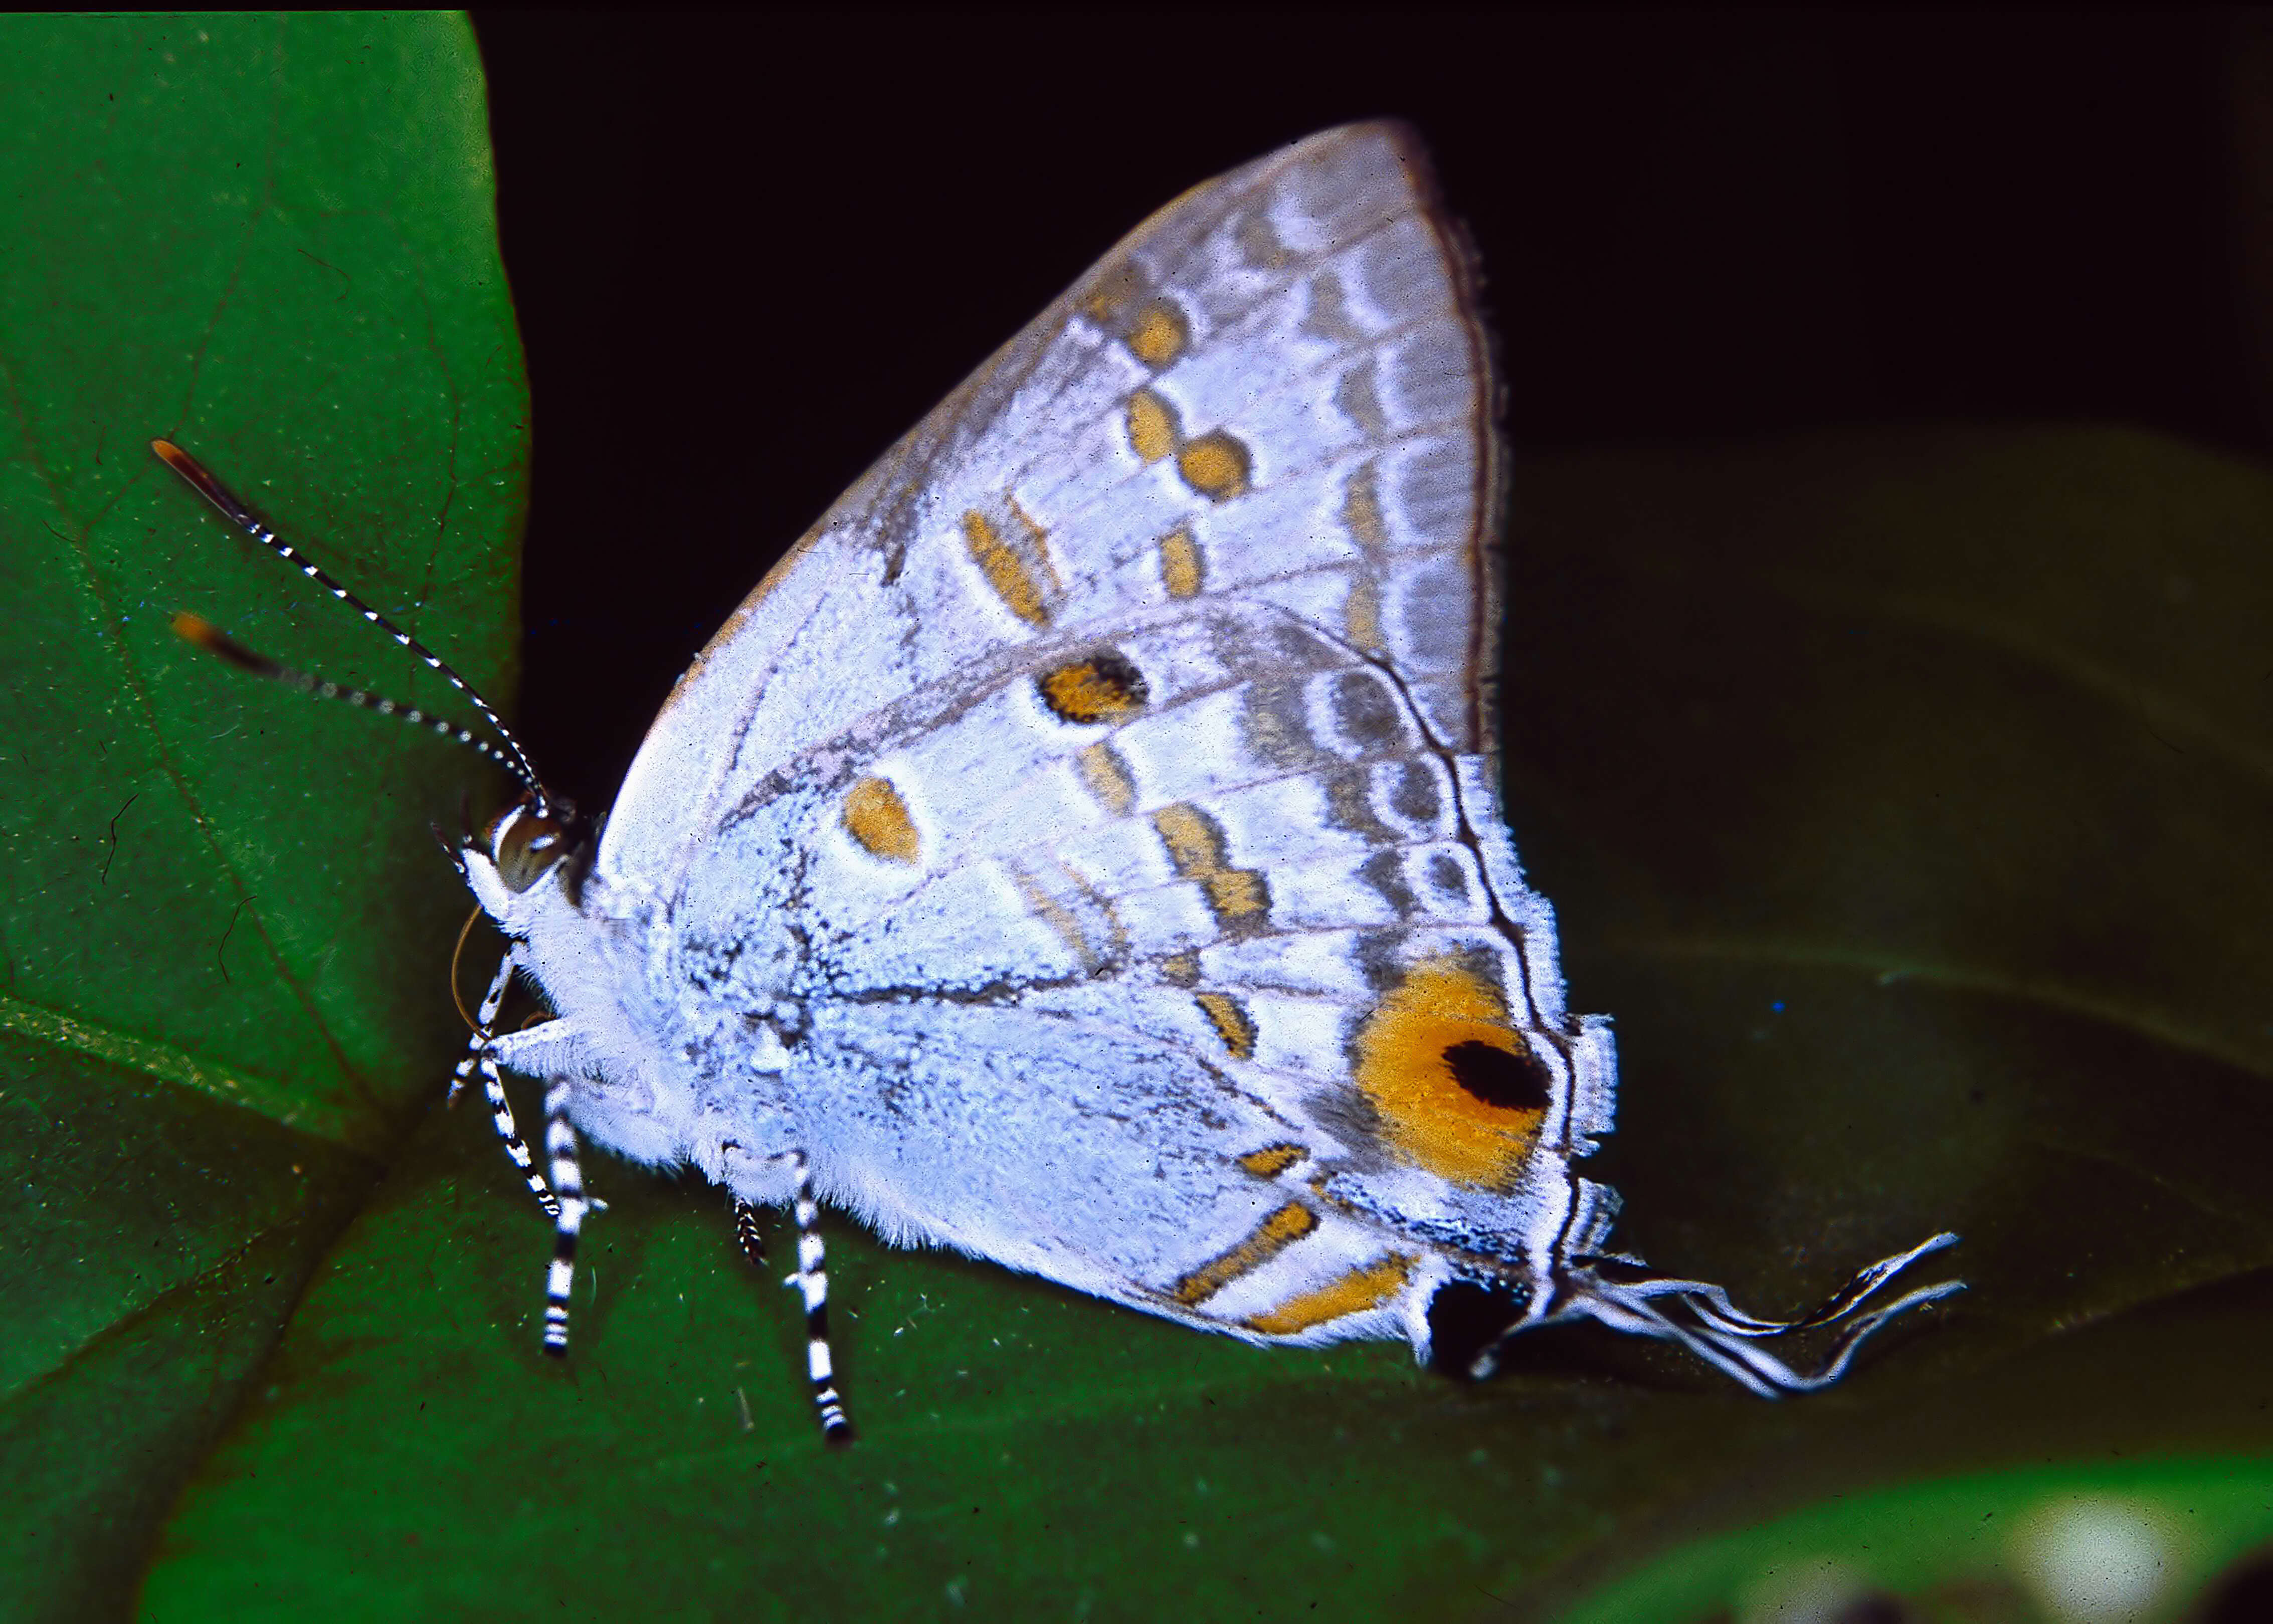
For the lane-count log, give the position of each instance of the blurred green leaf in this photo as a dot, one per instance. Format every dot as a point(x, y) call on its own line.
point(273, 240)
point(1904, 795)
point(2045, 1545)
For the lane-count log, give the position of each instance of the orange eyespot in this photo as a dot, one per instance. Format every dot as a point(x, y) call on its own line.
point(1458, 1088)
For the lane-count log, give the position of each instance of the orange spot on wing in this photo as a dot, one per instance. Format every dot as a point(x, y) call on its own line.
point(1361, 615)
point(1106, 776)
point(1018, 580)
point(1180, 563)
point(1160, 335)
point(1457, 1089)
point(1236, 894)
point(1232, 1022)
point(1103, 687)
point(1281, 1229)
point(1197, 846)
point(1273, 1160)
point(1215, 465)
point(1364, 1287)
point(877, 817)
point(1152, 429)
point(1194, 845)
point(1361, 511)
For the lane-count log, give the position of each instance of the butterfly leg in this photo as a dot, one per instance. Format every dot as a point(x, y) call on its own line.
point(746, 1233)
point(501, 1118)
point(484, 1028)
point(481, 1055)
point(568, 1179)
point(812, 1279)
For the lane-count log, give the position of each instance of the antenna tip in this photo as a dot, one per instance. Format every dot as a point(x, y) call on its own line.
point(206, 485)
point(196, 629)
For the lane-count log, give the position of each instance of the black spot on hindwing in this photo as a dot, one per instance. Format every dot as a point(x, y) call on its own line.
point(1498, 1077)
point(1466, 1317)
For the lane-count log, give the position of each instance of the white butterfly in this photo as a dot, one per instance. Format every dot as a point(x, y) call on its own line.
point(1084, 849)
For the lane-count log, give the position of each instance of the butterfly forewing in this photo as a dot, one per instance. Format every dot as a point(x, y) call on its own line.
point(1276, 385)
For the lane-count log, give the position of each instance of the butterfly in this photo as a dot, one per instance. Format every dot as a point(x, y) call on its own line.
point(1084, 850)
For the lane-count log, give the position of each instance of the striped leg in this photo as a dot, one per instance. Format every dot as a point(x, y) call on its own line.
point(568, 1179)
point(812, 1278)
point(484, 1026)
point(479, 1057)
point(501, 1118)
point(746, 1233)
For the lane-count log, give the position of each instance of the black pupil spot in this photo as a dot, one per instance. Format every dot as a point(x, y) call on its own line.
point(1513, 1082)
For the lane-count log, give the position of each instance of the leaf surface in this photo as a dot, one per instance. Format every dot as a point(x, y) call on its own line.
point(272, 241)
point(1904, 795)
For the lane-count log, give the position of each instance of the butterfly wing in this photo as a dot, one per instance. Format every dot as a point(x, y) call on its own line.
point(1277, 385)
point(1103, 798)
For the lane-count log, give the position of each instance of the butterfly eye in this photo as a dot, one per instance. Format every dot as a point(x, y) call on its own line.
point(525, 844)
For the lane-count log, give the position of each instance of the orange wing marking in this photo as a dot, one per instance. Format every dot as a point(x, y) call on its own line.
point(1457, 1087)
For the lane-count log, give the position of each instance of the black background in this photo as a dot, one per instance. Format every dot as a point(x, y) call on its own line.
point(748, 252)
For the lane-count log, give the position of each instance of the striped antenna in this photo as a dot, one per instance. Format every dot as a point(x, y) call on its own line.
point(513, 759)
point(193, 628)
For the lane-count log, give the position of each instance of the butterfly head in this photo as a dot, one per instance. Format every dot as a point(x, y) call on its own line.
point(530, 838)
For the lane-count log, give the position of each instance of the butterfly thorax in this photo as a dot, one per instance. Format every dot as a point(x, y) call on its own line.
point(640, 1050)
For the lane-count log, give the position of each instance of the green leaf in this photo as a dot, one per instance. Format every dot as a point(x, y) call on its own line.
point(223, 937)
point(1904, 795)
point(2119, 1541)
